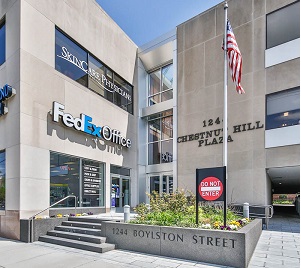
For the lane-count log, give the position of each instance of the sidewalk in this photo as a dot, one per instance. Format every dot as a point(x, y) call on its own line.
point(276, 248)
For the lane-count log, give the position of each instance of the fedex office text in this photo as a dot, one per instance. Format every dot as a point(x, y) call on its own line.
point(84, 124)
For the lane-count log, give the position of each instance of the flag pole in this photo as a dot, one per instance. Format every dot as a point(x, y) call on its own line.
point(225, 115)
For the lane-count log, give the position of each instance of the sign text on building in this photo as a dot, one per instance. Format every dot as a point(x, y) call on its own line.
point(84, 124)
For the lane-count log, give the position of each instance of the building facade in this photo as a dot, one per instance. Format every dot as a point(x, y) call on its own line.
point(263, 124)
point(87, 113)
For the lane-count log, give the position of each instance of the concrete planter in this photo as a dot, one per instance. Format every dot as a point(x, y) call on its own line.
point(40, 227)
point(229, 248)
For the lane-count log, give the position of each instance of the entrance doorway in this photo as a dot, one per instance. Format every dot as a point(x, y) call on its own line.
point(161, 183)
point(120, 192)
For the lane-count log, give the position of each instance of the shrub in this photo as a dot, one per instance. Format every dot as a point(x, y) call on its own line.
point(178, 209)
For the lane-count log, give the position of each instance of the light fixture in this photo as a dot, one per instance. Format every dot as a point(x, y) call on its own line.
point(285, 113)
point(280, 182)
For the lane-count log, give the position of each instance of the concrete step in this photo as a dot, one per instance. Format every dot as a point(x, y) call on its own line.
point(82, 224)
point(87, 219)
point(79, 230)
point(78, 236)
point(100, 248)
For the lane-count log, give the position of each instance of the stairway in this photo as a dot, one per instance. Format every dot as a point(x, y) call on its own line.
point(81, 233)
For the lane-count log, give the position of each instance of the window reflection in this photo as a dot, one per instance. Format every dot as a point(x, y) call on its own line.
point(71, 60)
point(160, 138)
point(283, 25)
point(283, 109)
point(2, 180)
point(66, 179)
point(81, 66)
point(2, 43)
point(160, 85)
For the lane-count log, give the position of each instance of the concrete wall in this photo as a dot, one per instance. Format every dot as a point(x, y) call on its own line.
point(38, 84)
point(200, 97)
point(9, 124)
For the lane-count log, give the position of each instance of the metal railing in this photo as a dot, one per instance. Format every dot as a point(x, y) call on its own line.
point(255, 211)
point(32, 217)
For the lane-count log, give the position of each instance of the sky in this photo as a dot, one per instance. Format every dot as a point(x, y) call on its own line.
point(145, 20)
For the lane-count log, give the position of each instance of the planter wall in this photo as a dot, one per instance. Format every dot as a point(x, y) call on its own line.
point(40, 227)
point(229, 248)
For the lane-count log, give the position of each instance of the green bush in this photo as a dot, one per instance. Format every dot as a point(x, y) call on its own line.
point(178, 209)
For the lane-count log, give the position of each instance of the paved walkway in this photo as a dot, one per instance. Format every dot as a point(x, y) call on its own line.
point(276, 248)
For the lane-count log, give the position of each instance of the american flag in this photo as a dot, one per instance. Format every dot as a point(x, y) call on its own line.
point(234, 58)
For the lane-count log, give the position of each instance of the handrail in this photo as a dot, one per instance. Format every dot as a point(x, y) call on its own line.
point(32, 217)
point(268, 212)
point(266, 215)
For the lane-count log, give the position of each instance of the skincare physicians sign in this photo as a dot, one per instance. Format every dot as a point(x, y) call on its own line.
point(5, 93)
point(85, 124)
point(80, 65)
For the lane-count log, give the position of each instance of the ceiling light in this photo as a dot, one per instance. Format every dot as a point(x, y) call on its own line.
point(285, 113)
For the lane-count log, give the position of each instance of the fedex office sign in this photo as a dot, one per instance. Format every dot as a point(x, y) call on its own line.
point(84, 124)
point(5, 93)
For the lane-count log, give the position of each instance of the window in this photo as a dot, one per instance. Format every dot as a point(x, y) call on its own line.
point(160, 138)
point(283, 109)
point(70, 175)
point(2, 42)
point(78, 64)
point(160, 85)
point(283, 25)
point(160, 183)
point(2, 180)
point(120, 170)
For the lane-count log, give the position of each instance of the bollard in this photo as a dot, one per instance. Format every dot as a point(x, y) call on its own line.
point(127, 213)
point(246, 210)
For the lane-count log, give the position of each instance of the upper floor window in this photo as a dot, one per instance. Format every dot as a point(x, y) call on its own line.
point(160, 138)
point(78, 64)
point(283, 25)
point(160, 85)
point(283, 109)
point(2, 42)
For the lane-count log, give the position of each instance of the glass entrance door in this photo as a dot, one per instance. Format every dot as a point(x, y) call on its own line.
point(120, 192)
point(161, 183)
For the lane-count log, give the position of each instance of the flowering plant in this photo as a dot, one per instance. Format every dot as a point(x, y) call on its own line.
point(206, 226)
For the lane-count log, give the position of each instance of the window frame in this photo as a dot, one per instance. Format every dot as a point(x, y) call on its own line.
point(160, 140)
point(107, 68)
point(266, 108)
point(4, 208)
point(3, 24)
point(161, 91)
point(266, 27)
point(81, 193)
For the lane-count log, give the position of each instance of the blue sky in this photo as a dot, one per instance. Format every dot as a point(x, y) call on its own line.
point(144, 20)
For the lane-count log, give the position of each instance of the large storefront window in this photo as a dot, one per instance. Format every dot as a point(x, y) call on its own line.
point(160, 138)
point(283, 25)
point(283, 109)
point(70, 175)
point(2, 180)
point(78, 64)
point(160, 85)
point(2, 42)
